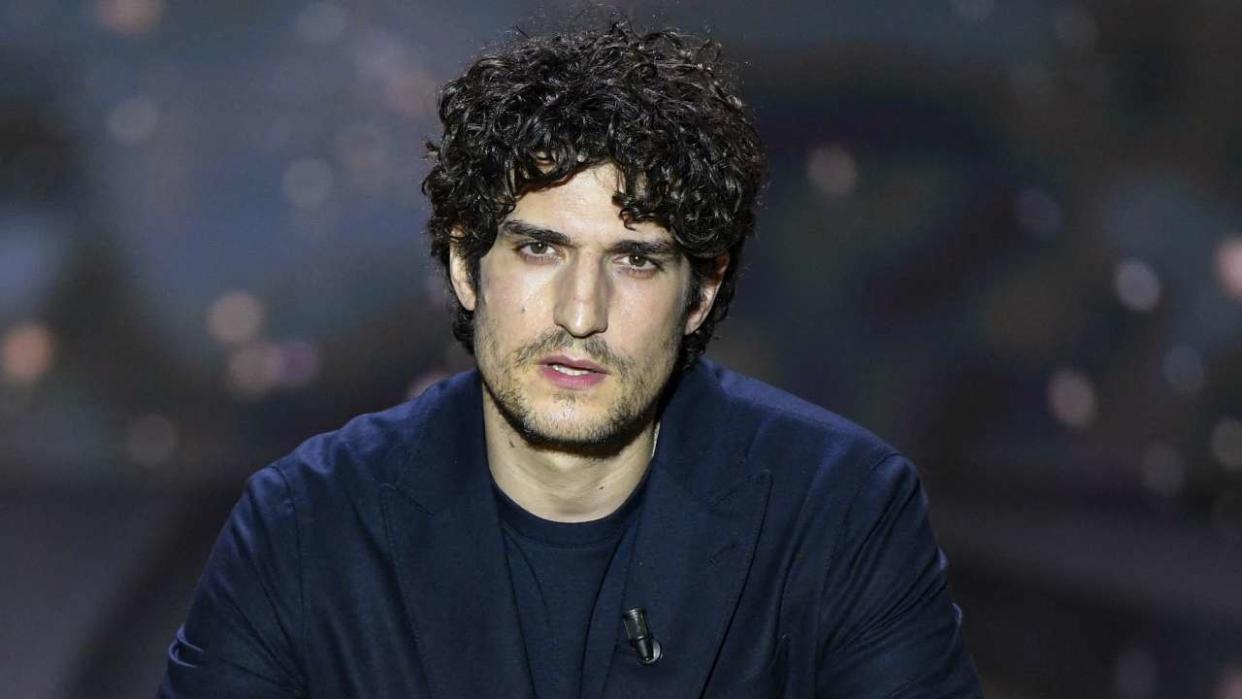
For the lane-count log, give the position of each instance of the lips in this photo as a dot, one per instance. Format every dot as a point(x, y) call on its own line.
point(574, 366)
point(569, 373)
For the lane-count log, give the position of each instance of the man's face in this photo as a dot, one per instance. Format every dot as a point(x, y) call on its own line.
point(578, 319)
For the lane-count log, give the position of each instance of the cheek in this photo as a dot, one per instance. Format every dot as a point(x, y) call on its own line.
point(512, 299)
point(649, 319)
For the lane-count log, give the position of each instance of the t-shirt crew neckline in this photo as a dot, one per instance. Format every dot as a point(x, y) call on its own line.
point(566, 534)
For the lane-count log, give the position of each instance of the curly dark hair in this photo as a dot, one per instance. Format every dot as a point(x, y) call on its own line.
point(661, 107)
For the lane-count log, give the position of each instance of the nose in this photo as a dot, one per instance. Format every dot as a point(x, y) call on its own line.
point(582, 297)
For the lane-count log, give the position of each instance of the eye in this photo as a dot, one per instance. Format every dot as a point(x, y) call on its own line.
point(536, 250)
point(640, 262)
point(639, 265)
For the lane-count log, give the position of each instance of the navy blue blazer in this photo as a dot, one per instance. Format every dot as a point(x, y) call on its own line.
point(781, 551)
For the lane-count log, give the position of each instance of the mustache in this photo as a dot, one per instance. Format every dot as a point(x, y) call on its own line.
point(595, 348)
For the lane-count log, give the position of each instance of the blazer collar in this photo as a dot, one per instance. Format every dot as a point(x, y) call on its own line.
point(696, 538)
point(696, 533)
point(444, 534)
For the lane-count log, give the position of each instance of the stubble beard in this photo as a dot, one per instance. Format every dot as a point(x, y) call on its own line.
point(634, 408)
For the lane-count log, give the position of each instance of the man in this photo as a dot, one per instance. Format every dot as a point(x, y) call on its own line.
point(596, 511)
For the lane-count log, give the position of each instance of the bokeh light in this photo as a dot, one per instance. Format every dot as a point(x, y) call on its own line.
point(1229, 265)
point(235, 317)
point(133, 120)
point(299, 363)
point(1137, 286)
point(1071, 398)
point(255, 369)
point(27, 353)
point(129, 17)
point(1230, 685)
point(411, 92)
point(1227, 443)
point(361, 147)
point(378, 54)
point(832, 170)
point(308, 182)
point(151, 440)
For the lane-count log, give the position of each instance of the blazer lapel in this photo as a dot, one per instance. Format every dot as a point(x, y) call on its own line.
point(696, 537)
point(690, 563)
point(449, 555)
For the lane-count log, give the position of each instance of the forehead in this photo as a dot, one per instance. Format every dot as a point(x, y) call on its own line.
point(582, 208)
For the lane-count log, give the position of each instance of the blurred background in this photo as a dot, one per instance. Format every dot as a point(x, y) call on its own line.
point(1006, 235)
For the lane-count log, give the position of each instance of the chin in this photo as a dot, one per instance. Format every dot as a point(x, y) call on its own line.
point(580, 427)
point(557, 426)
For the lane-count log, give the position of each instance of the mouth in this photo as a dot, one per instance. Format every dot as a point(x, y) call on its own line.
point(568, 366)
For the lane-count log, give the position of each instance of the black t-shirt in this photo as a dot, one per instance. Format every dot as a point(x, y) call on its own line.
point(558, 570)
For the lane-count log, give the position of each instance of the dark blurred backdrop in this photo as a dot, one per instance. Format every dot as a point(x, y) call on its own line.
point(1004, 234)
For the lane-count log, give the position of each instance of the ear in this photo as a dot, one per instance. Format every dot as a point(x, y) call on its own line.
point(459, 274)
point(707, 294)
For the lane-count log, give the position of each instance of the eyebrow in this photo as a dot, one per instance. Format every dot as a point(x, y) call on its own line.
point(526, 230)
point(656, 249)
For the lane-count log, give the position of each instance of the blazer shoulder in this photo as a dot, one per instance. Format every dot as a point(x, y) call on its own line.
point(372, 448)
point(782, 420)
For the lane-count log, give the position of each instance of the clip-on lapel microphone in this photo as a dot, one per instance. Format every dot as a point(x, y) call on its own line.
point(640, 635)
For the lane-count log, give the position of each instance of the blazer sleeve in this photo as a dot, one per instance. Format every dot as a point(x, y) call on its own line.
point(240, 636)
point(888, 627)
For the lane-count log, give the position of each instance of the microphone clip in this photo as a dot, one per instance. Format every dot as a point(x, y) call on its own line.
point(640, 636)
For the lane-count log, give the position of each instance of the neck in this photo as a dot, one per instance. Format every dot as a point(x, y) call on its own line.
point(558, 485)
